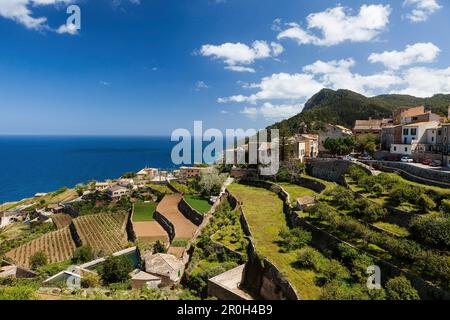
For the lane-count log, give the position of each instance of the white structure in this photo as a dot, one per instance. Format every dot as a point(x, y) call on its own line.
point(117, 192)
point(141, 279)
point(165, 266)
point(417, 137)
point(148, 173)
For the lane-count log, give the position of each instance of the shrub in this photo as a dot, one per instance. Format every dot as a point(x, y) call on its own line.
point(356, 172)
point(425, 203)
point(90, 280)
point(39, 259)
point(342, 197)
point(116, 269)
point(159, 247)
point(370, 211)
point(83, 254)
point(445, 207)
point(434, 230)
point(293, 239)
point(401, 289)
point(18, 293)
point(310, 258)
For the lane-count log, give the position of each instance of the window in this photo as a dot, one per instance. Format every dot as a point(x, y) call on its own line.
point(405, 132)
point(413, 132)
point(406, 149)
point(432, 139)
point(395, 148)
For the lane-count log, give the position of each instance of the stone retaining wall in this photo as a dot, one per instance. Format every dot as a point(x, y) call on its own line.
point(166, 224)
point(417, 174)
point(331, 169)
point(261, 278)
point(190, 213)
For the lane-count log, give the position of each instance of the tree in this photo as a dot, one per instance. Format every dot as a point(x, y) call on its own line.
point(445, 207)
point(367, 143)
point(426, 203)
point(159, 247)
point(210, 184)
point(80, 188)
point(39, 259)
point(340, 146)
point(401, 289)
point(116, 269)
point(293, 239)
point(129, 175)
point(83, 254)
point(433, 230)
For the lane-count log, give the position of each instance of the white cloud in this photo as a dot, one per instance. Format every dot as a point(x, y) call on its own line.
point(19, 11)
point(425, 82)
point(200, 85)
point(421, 9)
point(280, 86)
point(337, 25)
point(334, 74)
point(70, 29)
point(273, 112)
point(237, 56)
point(416, 53)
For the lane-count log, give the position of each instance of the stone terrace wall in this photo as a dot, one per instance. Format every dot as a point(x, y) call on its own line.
point(166, 224)
point(331, 169)
point(261, 278)
point(190, 213)
point(421, 175)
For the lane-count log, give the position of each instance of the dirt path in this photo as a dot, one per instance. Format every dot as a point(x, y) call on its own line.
point(168, 207)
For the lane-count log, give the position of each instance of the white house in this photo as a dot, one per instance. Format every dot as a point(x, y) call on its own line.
point(165, 266)
point(416, 138)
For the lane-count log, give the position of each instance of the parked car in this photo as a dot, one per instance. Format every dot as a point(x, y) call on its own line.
point(407, 159)
point(427, 162)
point(365, 157)
point(436, 163)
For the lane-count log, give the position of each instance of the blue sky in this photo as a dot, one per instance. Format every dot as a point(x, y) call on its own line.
point(151, 66)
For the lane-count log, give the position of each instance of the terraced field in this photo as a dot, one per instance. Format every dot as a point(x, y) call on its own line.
point(61, 220)
point(264, 213)
point(57, 245)
point(104, 232)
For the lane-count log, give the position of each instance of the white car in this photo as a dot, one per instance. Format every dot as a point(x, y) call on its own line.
point(407, 160)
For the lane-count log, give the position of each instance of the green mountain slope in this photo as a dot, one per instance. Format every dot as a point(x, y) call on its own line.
point(344, 107)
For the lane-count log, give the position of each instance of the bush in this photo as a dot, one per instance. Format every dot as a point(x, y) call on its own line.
point(18, 293)
point(37, 260)
point(434, 230)
point(116, 269)
point(293, 239)
point(342, 197)
point(83, 254)
point(445, 207)
point(425, 203)
point(370, 211)
point(356, 172)
point(401, 289)
point(310, 258)
point(90, 280)
point(159, 247)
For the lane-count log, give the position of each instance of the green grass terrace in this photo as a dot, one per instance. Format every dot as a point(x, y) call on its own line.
point(143, 211)
point(295, 191)
point(264, 213)
point(198, 203)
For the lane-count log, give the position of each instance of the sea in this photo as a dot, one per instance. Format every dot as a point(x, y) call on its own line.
point(32, 164)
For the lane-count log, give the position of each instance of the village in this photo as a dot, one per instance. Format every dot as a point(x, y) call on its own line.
point(197, 232)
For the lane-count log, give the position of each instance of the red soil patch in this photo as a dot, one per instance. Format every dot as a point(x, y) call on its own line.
point(150, 231)
point(168, 207)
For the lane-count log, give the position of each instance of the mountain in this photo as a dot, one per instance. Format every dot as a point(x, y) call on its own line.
point(344, 107)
